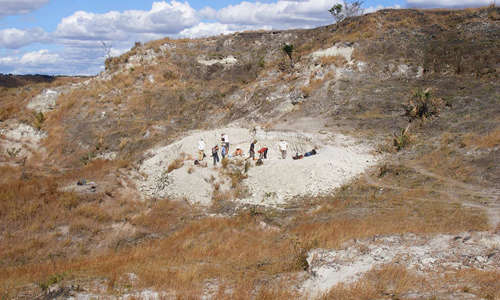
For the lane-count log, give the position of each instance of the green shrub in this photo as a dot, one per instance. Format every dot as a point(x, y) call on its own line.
point(38, 120)
point(403, 139)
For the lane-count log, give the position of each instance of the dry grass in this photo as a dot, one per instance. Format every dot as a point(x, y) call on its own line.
point(313, 85)
point(396, 282)
point(337, 60)
point(206, 249)
point(372, 114)
point(170, 245)
point(488, 141)
point(388, 280)
point(176, 164)
point(189, 250)
point(447, 163)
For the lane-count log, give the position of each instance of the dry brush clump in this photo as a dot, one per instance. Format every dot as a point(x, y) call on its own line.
point(422, 105)
point(402, 139)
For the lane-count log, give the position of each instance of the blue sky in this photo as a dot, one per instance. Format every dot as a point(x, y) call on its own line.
point(66, 36)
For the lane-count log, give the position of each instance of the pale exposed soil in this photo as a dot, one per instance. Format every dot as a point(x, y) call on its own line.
point(278, 180)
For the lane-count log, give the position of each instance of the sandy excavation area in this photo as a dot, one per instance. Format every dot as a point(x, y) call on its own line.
point(339, 159)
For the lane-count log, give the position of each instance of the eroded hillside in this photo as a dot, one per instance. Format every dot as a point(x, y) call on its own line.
point(402, 199)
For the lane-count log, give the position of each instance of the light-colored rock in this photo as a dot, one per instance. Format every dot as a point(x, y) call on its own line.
point(45, 101)
point(227, 61)
point(418, 253)
point(337, 50)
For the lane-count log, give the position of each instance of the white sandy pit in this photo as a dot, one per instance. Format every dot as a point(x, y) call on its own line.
point(339, 159)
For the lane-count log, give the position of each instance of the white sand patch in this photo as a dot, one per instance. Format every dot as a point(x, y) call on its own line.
point(22, 133)
point(439, 253)
point(338, 160)
point(340, 50)
point(280, 180)
point(229, 60)
point(143, 295)
point(196, 187)
point(110, 155)
point(21, 140)
point(45, 101)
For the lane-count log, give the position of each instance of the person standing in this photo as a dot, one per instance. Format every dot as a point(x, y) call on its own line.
point(201, 149)
point(215, 154)
point(283, 146)
point(223, 151)
point(252, 149)
point(225, 140)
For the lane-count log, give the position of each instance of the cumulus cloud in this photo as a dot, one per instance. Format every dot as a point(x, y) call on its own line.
point(17, 7)
point(30, 62)
point(39, 57)
point(209, 29)
point(447, 3)
point(379, 7)
point(208, 13)
point(70, 61)
point(14, 38)
point(280, 14)
point(163, 18)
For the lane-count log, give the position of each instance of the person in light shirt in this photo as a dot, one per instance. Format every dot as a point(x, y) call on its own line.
point(282, 146)
point(201, 149)
point(225, 140)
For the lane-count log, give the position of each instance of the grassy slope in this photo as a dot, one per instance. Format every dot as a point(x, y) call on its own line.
point(174, 247)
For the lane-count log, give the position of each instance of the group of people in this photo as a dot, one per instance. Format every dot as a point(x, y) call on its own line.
point(215, 150)
point(224, 151)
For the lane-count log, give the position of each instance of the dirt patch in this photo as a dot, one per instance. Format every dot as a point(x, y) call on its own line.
point(477, 250)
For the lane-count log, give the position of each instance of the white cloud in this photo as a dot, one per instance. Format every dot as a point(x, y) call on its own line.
point(17, 7)
point(31, 59)
point(447, 3)
point(40, 57)
point(279, 14)
point(209, 29)
point(69, 61)
point(14, 38)
point(163, 18)
point(379, 7)
point(208, 13)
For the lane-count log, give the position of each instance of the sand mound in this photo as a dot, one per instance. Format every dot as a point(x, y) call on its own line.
point(339, 159)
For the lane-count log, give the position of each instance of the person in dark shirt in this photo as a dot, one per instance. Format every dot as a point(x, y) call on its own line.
point(215, 154)
point(252, 149)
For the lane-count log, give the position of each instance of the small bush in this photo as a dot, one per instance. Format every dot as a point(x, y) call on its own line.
point(422, 105)
point(38, 120)
point(44, 285)
point(13, 152)
point(403, 139)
